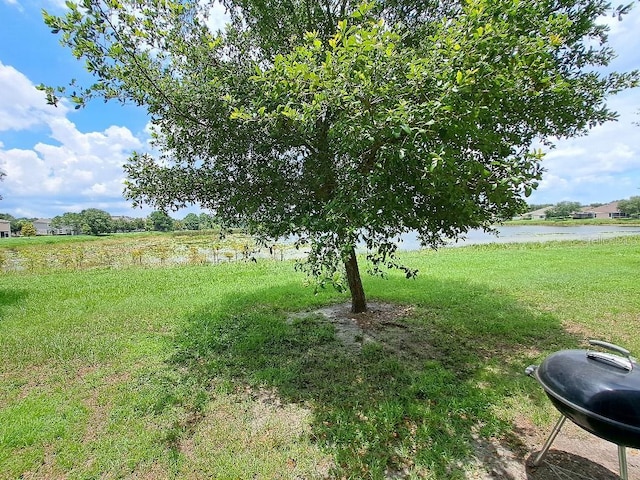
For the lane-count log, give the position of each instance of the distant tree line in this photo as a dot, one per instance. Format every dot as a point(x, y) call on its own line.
point(532, 207)
point(630, 206)
point(93, 221)
point(563, 209)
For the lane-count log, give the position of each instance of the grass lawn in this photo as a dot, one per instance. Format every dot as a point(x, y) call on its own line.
point(204, 371)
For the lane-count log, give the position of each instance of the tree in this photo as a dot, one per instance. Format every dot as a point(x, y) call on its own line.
point(95, 221)
point(16, 225)
point(125, 224)
point(120, 225)
point(345, 123)
point(630, 206)
point(207, 221)
point(563, 209)
point(537, 206)
point(191, 221)
point(177, 225)
point(159, 221)
point(28, 230)
point(68, 220)
point(139, 224)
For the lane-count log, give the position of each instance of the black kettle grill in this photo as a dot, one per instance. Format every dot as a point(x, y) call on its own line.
point(598, 391)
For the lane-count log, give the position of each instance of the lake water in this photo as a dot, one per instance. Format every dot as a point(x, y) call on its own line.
point(532, 233)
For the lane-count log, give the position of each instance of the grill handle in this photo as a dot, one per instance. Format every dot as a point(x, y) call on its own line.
point(623, 363)
point(611, 346)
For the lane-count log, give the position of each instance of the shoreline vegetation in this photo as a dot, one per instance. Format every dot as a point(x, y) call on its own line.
point(228, 371)
point(159, 249)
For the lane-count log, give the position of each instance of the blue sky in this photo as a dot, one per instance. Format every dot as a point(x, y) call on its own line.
point(61, 160)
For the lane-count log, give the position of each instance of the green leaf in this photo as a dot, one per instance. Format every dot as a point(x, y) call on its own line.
point(239, 114)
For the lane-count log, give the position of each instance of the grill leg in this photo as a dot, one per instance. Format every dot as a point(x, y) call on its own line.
point(554, 433)
point(622, 460)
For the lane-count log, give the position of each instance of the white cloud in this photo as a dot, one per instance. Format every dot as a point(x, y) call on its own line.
point(216, 16)
point(104, 188)
point(85, 166)
point(13, 163)
point(14, 3)
point(97, 189)
point(623, 37)
point(83, 176)
point(22, 106)
point(58, 3)
point(84, 163)
point(590, 156)
point(603, 165)
point(61, 4)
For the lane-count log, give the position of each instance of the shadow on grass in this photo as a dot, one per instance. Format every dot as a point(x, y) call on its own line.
point(10, 297)
point(407, 404)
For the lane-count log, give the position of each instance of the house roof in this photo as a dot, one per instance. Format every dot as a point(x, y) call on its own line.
point(608, 208)
point(540, 211)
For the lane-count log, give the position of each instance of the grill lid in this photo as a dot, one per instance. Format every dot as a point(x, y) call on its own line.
point(597, 383)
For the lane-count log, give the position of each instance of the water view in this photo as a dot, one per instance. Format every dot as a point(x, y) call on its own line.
point(533, 233)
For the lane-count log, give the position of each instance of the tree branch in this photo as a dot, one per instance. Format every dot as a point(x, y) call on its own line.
point(130, 52)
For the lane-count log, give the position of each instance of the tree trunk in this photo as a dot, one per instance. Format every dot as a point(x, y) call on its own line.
point(358, 301)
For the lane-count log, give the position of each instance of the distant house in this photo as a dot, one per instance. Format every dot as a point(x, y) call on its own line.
point(5, 228)
point(582, 215)
point(43, 227)
point(63, 230)
point(123, 218)
point(610, 210)
point(539, 214)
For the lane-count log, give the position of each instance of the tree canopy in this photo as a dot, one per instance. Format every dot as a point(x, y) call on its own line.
point(95, 221)
point(630, 206)
point(91, 221)
point(563, 209)
point(159, 221)
point(68, 220)
point(191, 222)
point(343, 123)
point(28, 230)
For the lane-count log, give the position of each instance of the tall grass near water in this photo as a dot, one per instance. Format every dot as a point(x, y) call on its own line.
point(64, 253)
